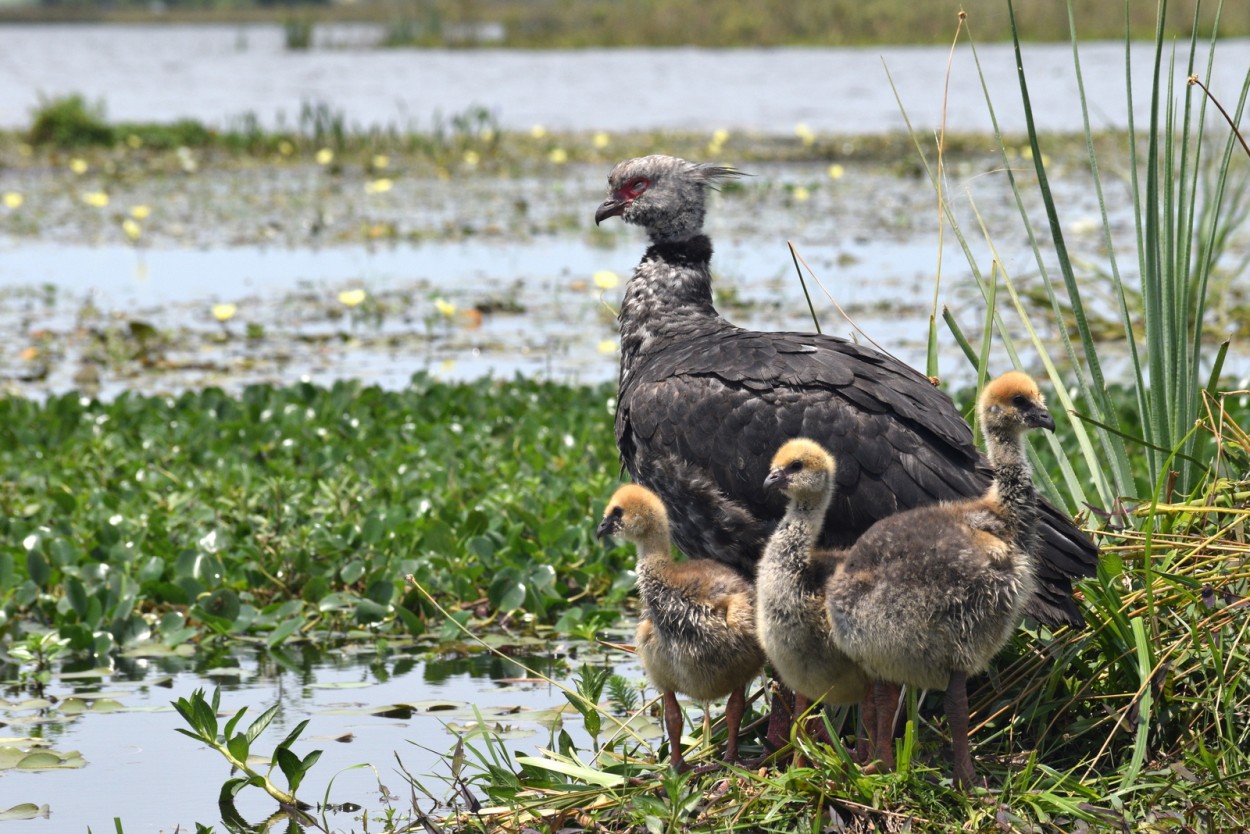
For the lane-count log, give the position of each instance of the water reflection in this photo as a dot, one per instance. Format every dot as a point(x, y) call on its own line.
point(364, 704)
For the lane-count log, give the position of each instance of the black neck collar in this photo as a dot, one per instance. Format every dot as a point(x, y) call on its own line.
point(696, 251)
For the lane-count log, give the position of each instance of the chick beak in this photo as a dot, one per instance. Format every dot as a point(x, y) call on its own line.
point(1040, 418)
point(776, 478)
point(606, 527)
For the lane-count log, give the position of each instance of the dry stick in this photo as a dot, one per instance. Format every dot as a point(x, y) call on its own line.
point(794, 254)
point(1193, 79)
point(941, 164)
point(838, 307)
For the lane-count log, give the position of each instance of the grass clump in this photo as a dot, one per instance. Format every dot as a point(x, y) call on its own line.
point(70, 122)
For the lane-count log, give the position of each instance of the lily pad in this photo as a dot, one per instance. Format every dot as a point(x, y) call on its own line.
point(13, 758)
point(25, 811)
point(341, 685)
point(85, 674)
point(28, 704)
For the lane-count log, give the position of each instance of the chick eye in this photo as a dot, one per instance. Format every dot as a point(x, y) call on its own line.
point(1019, 401)
point(794, 466)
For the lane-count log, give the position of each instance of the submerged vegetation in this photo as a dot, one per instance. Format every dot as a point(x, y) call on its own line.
point(203, 516)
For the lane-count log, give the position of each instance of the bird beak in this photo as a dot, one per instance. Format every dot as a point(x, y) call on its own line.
point(606, 527)
point(614, 206)
point(776, 478)
point(1039, 418)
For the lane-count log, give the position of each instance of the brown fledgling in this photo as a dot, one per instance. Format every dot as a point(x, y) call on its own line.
point(697, 631)
point(927, 597)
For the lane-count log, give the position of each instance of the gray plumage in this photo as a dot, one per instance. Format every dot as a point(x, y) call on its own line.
point(790, 586)
point(927, 597)
point(941, 588)
point(702, 403)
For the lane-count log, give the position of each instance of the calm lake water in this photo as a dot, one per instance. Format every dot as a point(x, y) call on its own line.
point(216, 73)
point(363, 708)
point(869, 237)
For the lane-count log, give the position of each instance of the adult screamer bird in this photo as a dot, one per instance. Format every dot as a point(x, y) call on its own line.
point(703, 404)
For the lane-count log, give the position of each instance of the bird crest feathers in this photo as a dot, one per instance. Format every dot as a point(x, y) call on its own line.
point(657, 165)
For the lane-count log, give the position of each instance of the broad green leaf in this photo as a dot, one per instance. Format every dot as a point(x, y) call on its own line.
point(574, 771)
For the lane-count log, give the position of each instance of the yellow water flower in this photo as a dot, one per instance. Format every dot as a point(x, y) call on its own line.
point(719, 137)
point(140, 212)
point(558, 155)
point(381, 160)
point(538, 131)
point(606, 279)
point(286, 148)
point(607, 346)
point(351, 298)
point(601, 140)
point(224, 312)
point(801, 194)
point(836, 171)
point(26, 149)
point(805, 133)
point(95, 199)
point(324, 156)
point(134, 141)
point(131, 228)
point(379, 186)
point(445, 307)
point(13, 199)
point(78, 165)
point(472, 157)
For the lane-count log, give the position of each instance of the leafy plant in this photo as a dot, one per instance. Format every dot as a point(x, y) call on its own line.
point(1181, 235)
point(289, 509)
point(38, 651)
point(201, 714)
point(69, 122)
point(298, 33)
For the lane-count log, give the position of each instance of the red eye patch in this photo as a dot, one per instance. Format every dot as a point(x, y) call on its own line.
point(634, 187)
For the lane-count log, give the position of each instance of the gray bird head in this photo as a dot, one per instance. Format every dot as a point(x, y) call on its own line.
point(663, 194)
